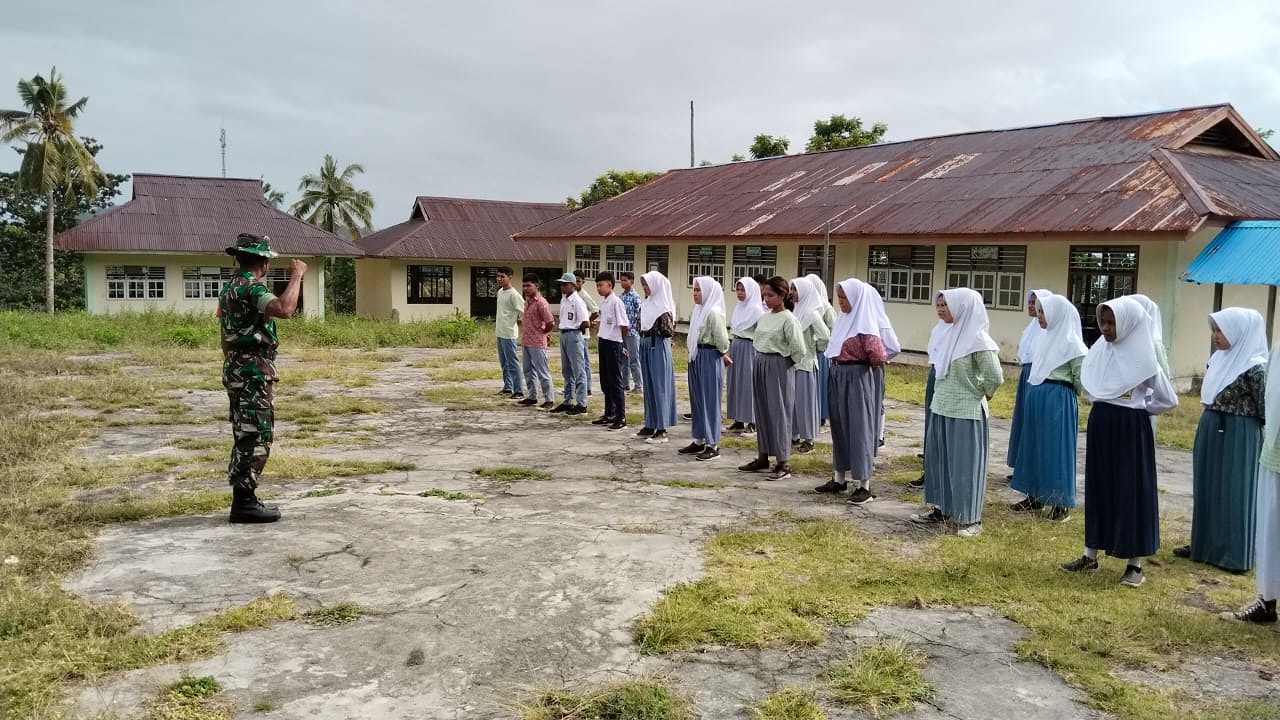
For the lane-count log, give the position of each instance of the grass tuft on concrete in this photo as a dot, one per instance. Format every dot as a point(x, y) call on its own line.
point(333, 615)
point(789, 704)
point(445, 494)
point(631, 700)
point(190, 698)
point(883, 679)
point(511, 473)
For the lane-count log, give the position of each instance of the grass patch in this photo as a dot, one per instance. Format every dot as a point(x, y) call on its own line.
point(690, 484)
point(511, 473)
point(631, 700)
point(457, 373)
point(323, 492)
point(310, 411)
point(446, 494)
point(789, 704)
point(883, 679)
point(186, 443)
point(132, 508)
point(288, 466)
point(333, 615)
point(191, 698)
point(459, 398)
point(783, 583)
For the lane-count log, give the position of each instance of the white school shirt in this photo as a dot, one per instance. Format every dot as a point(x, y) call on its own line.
point(613, 317)
point(573, 312)
point(1155, 395)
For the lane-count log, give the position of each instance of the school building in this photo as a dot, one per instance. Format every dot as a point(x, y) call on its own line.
point(444, 258)
point(1090, 209)
point(164, 249)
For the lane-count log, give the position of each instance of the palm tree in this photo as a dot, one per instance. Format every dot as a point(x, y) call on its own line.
point(272, 196)
point(330, 201)
point(54, 158)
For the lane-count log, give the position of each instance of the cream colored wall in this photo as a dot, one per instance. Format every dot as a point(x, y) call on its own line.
point(373, 288)
point(96, 300)
point(382, 288)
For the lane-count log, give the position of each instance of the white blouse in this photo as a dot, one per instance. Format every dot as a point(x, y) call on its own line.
point(1155, 395)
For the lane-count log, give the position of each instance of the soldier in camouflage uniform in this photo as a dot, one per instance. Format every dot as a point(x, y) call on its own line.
point(246, 309)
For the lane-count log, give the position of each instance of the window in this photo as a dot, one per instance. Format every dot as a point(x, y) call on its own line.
point(204, 282)
point(753, 260)
point(706, 260)
point(902, 273)
point(621, 258)
point(549, 281)
point(997, 272)
point(656, 257)
point(1096, 275)
point(586, 259)
point(135, 282)
point(429, 284)
point(811, 262)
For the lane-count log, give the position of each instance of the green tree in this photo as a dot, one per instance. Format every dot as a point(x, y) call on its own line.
point(53, 158)
point(843, 132)
point(768, 146)
point(737, 157)
point(330, 201)
point(273, 197)
point(614, 182)
point(1265, 133)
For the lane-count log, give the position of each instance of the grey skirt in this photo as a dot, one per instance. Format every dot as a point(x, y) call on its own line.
point(857, 405)
point(741, 401)
point(773, 382)
point(955, 460)
point(804, 423)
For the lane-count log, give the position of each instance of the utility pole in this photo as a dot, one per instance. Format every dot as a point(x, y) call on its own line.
point(222, 141)
point(826, 257)
point(690, 133)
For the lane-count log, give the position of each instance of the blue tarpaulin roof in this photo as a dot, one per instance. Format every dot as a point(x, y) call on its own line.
point(1246, 252)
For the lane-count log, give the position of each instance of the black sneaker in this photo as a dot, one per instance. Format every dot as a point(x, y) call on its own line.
point(1058, 514)
point(561, 408)
point(517, 396)
point(1027, 505)
point(781, 471)
point(645, 432)
point(1182, 552)
point(920, 455)
point(880, 442)
point(805, 446)
point(737, 427)
point(602, 421)
point(658, 437)
point(861, 496)
point(529, 401)
point(1133, 577)
point(930, 518)
point(618, 425)
point(1260, 611)
point(916, 484)
point(578, 410)
point(547, 405)
point(1084, 563)
point(692, 448)
point(831, 486)
point(504, 393)
point(750, 430)
point(709, 452)
point(755, 465)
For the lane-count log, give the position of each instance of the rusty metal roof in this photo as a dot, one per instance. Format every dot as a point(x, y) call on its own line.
point(467, 229)
point(1097, 175)
point(181, 214)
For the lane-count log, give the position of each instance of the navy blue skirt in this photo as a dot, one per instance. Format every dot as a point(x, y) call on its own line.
point(1121, 506)
point(1019, 417)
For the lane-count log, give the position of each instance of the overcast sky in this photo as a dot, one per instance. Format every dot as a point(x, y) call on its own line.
point(531, 100)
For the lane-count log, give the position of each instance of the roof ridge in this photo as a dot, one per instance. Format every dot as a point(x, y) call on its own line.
point(450, 198)
point(195, 177)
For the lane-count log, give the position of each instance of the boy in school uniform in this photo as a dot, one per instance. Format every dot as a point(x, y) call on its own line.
point(507, 328)
point(631, 301)
point(574, 320)
point(535, 324)
point(593, 308)
point(615, 326)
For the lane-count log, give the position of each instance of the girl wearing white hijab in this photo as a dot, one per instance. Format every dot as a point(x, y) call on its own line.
point(858, 357)
point(1046, 454)
point(741, 405)
point(1122, 378)
point(891, 347)
point(708, 342)
point(1267, 537)
point(657, 325)
point(1157, 330)
point(968, 373)
point(815, 333)
point(1228, 442)
point(1026, 353)
point(824, 362)
point(779, 348)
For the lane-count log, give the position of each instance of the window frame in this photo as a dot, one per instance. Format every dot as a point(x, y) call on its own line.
point(136, 282)
point(414, 281)
point(997, 266)
point(626, 263)
point(702, 266)
point(767, 264)
point(902, 273)
point(587, 263)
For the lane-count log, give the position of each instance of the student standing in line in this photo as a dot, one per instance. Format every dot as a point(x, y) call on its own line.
point(935, 336)
point(779, 348)
point(1122, 378)
point(506, 326)
point(657, 325)
point(858, 357)
point(1267, 537)
point(1026, 353)
point(892, 348)
point(593, 307)
point(535, 324)
point(1046, 455)
point(745, 315)
point(968, 373)
point(814, 333)
point(631, 301)
point(614, 327)
point(823, 369)
point(1157, 331)
point(1228, 443)
point(708, 341)
point(574, 320)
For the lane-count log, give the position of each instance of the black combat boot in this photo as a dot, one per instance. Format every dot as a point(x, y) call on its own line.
point(246, 508)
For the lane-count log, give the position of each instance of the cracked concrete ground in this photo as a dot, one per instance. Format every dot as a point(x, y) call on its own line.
point(532, 583)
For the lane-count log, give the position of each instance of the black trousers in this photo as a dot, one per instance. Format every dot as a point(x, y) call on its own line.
point(613, 383)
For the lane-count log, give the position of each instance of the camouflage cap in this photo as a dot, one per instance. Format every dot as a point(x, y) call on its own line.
point(251, 244)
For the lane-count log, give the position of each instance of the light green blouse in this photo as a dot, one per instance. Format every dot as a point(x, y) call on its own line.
point(1069, 372)
point(815, 337)
point(829, 317)
point(963, 393)
point(746, 333)
point(715, 332)
point(779, 332)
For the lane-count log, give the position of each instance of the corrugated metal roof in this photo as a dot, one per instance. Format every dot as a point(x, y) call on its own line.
point(1246, 252)
point(174, 213)
point(1237, 187)
point(1097, 175)
point(467, 229)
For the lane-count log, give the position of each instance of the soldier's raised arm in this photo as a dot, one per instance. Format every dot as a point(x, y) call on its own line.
point(287, 304)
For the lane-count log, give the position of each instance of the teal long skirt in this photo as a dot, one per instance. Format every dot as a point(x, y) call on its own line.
point(1225, 482)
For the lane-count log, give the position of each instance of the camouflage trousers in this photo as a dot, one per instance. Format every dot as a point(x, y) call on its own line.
point(253, 422)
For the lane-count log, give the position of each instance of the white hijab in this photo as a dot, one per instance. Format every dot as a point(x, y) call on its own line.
point(821, 287)
point(887, 336)
point(966, 335)
point(1112, 369)
point(808, 304)
point(712, 302)
point(862, 318)
point(1246, 331)
point(1061, 342)
point(748, 312)
point(659, 300)
point(1032, 333)
point(1157, 329)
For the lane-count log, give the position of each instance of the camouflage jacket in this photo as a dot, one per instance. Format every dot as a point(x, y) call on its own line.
point(249, 339)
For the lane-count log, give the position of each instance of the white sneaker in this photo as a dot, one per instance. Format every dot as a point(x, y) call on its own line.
point(658, 438)
point(970, 530)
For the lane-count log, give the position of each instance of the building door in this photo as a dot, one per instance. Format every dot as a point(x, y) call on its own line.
point(484, 292)
point(1096, 275)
